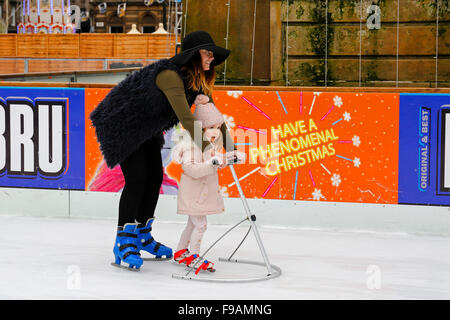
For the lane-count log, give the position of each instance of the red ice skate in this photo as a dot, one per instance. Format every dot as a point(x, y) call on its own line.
point(207, 266)
point(193, 261)
point(180, 255)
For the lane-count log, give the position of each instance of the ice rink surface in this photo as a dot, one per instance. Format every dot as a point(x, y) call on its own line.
point(68, 258)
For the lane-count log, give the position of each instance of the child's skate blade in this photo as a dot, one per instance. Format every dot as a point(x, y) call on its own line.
point(187, 268)
point(202, 271)
point(181, 265)
point(145, 256)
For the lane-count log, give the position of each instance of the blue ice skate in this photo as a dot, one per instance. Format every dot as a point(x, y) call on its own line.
point(147, 243)
point(126, 249)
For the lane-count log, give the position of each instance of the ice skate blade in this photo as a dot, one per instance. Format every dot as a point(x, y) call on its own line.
point(178, 264)
point(181, 265)
point(124, 267)
point(156, 259)
point(201, 271)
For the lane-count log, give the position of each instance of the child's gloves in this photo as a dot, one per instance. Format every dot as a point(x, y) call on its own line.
point(235, 157)
point(216, 161)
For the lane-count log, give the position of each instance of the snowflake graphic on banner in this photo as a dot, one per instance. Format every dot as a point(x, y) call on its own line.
point(229, 121)
point(337, 101)
point(234, 94)
point(356, 141)
point(224, 191)
point(346, 116)
point(357, 162)
point(317, 194)
point(336, 180)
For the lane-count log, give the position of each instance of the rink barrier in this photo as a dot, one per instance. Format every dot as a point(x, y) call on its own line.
point(385, 147)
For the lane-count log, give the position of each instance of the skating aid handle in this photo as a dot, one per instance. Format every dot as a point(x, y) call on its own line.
point(233, 161)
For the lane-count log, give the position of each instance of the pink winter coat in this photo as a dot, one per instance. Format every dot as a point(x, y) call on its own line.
point(199, 191)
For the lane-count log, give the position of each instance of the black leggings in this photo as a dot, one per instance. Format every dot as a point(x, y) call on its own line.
point(143, 172)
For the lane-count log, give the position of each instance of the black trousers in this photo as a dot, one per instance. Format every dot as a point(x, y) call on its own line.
point(143, 172)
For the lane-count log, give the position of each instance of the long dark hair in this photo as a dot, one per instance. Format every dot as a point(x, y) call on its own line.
point(198, 79)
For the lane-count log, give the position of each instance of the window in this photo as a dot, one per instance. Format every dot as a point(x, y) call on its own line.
point(116, 29)
point(116, 24)
point(148, 23)
point(148, 29)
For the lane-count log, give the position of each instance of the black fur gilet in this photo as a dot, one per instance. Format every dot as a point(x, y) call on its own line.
point(133, 111)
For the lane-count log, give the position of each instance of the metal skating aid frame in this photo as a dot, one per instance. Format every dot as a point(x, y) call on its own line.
point(272, 270)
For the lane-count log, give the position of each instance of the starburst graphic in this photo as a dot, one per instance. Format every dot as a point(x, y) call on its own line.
point(336, 180)
point(356, 141)
point(337, 101)
point(346, 116)
point(319, 119)
point(269, 187)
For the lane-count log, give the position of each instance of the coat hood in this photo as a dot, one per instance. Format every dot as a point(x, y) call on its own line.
point(183, 144)
point(186, 150)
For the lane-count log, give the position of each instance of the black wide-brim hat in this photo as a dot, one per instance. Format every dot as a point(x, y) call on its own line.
point(195, 41)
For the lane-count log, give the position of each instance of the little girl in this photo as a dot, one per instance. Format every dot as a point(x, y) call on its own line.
point(199, 193)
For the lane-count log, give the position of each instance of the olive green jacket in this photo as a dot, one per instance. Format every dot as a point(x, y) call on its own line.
point(170, 83)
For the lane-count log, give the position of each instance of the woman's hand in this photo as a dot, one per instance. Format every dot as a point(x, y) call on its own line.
point(223, 165)
point(224, 160)
point(218, 160)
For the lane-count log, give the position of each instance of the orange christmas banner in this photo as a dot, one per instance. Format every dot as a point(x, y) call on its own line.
point(313, 145)
point(340, 147)
point(93, 157)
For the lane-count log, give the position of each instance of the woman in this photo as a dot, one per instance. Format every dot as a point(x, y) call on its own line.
point(130, 122)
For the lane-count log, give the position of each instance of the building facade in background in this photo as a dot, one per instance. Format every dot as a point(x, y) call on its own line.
point(357, 43)
point(146, 15)
point(325, 43)
point(85, 16)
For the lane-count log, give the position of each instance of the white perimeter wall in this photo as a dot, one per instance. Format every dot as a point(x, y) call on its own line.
point(273, 213)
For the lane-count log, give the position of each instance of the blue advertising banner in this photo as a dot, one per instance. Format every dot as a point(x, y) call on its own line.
point(43, 143)
point(424, 149)
point(38, 127)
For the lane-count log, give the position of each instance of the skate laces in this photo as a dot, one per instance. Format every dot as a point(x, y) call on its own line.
point(189, 259)
point(194, 261)
point(205, 265)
